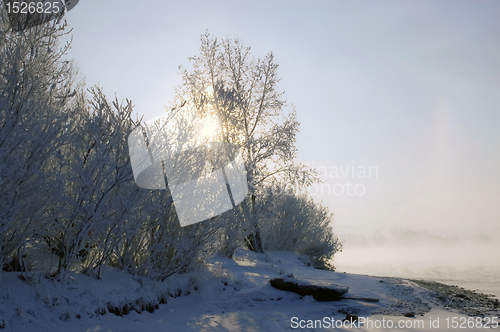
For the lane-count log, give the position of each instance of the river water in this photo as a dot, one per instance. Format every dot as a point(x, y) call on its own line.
point(474, 268)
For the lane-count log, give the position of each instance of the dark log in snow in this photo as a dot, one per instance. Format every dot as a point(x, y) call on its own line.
point(332, 292)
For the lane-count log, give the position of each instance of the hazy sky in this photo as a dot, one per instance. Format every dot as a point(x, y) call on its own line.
point(409, 87)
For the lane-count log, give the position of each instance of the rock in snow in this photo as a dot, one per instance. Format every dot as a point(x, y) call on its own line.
point(332, 292)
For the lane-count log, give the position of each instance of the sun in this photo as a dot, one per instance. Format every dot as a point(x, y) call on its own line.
point(210, 127)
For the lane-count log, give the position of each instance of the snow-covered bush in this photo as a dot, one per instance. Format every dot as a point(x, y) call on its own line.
point(36, 93)
point(294, 222)
point(96, 189)
point(232, 229)
point(103, 216)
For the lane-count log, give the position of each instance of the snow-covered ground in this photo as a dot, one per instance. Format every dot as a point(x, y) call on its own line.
point(235, 295)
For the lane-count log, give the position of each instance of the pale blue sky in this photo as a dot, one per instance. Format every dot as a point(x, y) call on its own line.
point(412, 87)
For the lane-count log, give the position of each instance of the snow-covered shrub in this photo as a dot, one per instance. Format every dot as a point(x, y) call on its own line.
point(174, 249)
point(232, 230)
point(294, 222)
point(153, 243)
point(36, 95)
point(96, 189)
point(104, 217)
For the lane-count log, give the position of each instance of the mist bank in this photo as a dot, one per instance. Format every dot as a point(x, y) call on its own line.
point(419, 248)
point(402, 237)
point(470, 261)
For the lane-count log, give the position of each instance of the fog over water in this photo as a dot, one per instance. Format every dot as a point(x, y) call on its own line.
point(469, 261)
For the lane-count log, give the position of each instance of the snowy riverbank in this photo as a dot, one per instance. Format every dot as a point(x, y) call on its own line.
point(232, 295)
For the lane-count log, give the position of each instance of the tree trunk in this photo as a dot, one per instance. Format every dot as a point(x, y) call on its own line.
point(253, 240)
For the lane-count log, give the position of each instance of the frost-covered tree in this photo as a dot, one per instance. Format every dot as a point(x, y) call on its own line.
point(228, 83)
point(37, 91)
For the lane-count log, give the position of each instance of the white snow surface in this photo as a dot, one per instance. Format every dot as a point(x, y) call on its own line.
point(225, 295)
